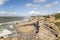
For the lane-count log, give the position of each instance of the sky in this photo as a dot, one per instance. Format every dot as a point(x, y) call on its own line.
point(29, 7)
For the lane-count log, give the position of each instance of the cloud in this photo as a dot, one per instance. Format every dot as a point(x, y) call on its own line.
point(11, 6)
point(8, 13)
point(2, 12)
point(56, 2)
point(38, 13)
point(58, 12)
point(3, 1)
point(38, 1)
point(34, 6)
point(52, 4)
point(29, 4)
point(13, 13)
point(34, 13)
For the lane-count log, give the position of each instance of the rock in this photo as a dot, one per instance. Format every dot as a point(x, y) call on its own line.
point(27, 31)
point(14, 38)
point(45, 34)
point(1, 39)
point(8, 38)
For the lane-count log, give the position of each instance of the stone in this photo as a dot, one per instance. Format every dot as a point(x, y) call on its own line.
point(45, 34)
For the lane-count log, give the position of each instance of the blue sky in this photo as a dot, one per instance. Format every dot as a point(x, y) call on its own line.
point(28, 7)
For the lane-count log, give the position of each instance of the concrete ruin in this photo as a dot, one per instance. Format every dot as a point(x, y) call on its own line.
point(38, 28)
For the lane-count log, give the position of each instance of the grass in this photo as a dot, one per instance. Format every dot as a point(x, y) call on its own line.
point(58, 24)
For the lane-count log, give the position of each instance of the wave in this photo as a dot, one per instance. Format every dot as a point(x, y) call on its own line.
point(12, 22)
point(5, 33)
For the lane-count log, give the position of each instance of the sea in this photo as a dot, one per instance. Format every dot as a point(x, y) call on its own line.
point(6, 23)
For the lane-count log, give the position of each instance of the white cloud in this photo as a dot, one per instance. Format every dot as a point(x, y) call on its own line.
point(48, 5)
point(38, 13)
point(38, 1)
point(34, 12)
point(29, 4)
point(34, 6)
point(13, 13)
point(3, 12)
point(3, 1)
point(11, 6)
point(52, 4)
point(58, 12)
point(56, 2)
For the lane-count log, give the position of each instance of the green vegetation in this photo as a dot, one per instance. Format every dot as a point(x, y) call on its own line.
point(58, 24)
point(57, 16)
